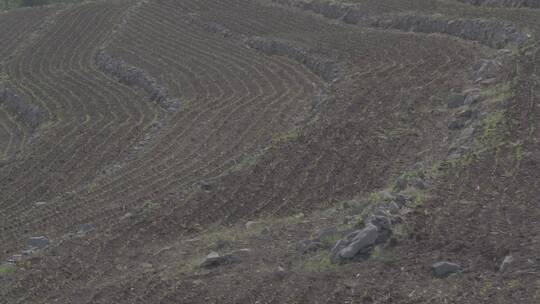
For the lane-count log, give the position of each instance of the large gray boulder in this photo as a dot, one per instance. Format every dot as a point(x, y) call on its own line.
point(363, 240)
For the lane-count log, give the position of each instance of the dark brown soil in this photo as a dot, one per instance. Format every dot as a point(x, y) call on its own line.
point(289, 116)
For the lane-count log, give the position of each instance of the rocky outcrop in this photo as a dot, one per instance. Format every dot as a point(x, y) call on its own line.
point(504, 3)
point(358, 244)
point(135, 77)
point(325, 67)
point(493, 33)
point(24, 111)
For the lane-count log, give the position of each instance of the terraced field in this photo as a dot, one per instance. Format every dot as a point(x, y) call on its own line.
point(165, 126)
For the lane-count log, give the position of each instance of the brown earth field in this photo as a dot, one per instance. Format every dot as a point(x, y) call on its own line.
point(270, 151)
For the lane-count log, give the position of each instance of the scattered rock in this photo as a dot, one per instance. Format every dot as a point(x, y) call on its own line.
point(38, 242)
point(506, 263)
point(401, 200)
point(401, 183)
point(326, 67)
point(25, 111)
point(418, 183)
point(27, 252)
point(444, 269)
point(251, 224)
point(136, 77)
point(39, 204)
point(14, 258)
point(215, 260)
point(307, 246)
point(266, 232)
point(457, 124)
point(86, 228)
point(455, 101)
point(221, 244)
point(472, 98)
point(126, 216)
point(205, 185)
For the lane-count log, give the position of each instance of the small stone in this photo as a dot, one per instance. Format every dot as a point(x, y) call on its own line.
point(205, 185)
point(266, 232)
point(39, 204)
point(393, 207)
point(85, 228)
point(27, 252)
point(401, 183)
point(401, 200)
point(215, 260)
point(472, 98)
point(38, 242)
point(220, 244)
point(455, 101)
point(418, 183)
point(327, 233)
point(14, 258)
point(126, 216)
point(506, 263)
point(312, 246)
point(251, 224)
point(457, 124)
point(382, 222)
point(444, 269)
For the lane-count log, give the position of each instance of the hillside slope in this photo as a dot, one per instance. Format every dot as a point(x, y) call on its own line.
point(137, 137)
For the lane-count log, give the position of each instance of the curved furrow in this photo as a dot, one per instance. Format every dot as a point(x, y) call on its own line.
point(87, 78)
point(12, 135)
point(165, 152)
point(66, 81)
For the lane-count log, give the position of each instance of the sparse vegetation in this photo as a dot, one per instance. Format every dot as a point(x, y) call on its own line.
point(339, 151)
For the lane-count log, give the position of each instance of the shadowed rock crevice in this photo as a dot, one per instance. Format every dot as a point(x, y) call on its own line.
point(325, 67)
point(24, 111)
point(504, 3)
point(492, 33)
point(135, 77)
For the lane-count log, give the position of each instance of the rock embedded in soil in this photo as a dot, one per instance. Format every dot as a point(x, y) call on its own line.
point(457, 124)
point(86, 228)
point(220, 244)
point(444, 269)
point(362, 240)
point(214, 260)
point(508, 260)
point(251, 224)
point(307, 246)
point(455, 101)
point(38, 242)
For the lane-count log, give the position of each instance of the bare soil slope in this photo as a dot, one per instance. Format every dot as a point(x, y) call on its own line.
point(266, 131)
